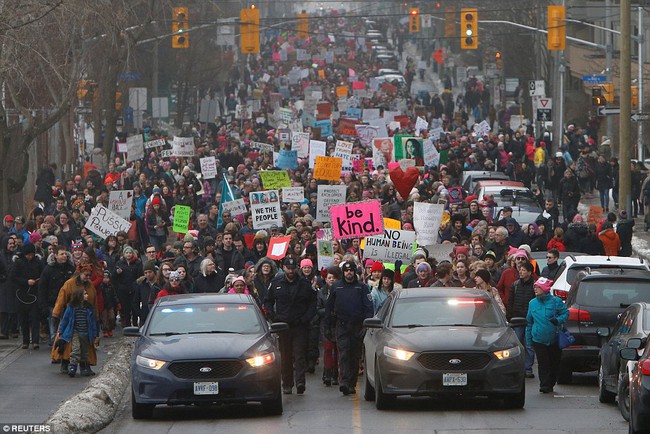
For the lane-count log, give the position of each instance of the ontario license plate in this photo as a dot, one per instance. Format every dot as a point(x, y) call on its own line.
point(454, 379)
point(206, 388)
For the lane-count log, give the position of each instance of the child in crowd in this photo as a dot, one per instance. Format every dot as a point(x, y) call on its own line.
point(79, 327)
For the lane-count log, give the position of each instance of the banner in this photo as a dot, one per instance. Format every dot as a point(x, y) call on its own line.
point(293, 194)
point(135, 147)
point(328, 168)
point(357, 219)
point(182, 218)
point(209, 167)
point(329, 195)
point(426, 221)
point(275, 179)
point(120, 201)
point(300, 143)
point(183, 147)
point(287, 160)
point(104, 222)
point(278, 247)
point(265, 208)
point(391, 246)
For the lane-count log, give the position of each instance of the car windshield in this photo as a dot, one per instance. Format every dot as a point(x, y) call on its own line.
point(619, 293)
point(434, 312)
point(204, 318)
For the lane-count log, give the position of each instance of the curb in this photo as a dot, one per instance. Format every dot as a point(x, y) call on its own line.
point(95, 407)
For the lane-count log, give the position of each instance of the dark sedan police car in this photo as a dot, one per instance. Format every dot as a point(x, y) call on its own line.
point(443, 341)
point(205, 349)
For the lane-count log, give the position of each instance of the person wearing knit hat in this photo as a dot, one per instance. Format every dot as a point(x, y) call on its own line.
point(35, 237)
point(424, 276)
point(546, 316)
point(374, 274)
point(174, 286)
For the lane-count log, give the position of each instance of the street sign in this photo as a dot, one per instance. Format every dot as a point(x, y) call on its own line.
point(426, 21)
point(544, 115)
point(606, 111)
point(638, 117)
point(543, 103)
point(594, 79)
point(536, 88)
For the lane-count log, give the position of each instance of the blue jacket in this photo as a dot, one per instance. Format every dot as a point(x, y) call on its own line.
point(540, 311)
point(66, 328)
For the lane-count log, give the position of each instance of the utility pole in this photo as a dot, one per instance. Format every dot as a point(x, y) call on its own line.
point(608, 58)
point(641, 42)
point(625, 184)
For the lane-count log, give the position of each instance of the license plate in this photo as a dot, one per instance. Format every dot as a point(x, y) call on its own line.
point(206, 388)
point(454, 379)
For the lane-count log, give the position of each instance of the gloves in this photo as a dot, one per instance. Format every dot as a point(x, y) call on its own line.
point(554, 321)
point(60, 346)
point(398, 265)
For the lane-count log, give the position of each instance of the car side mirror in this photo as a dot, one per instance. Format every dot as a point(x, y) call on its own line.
point(629, 354)
point(635, 343)
point(278, 327)
point(517, 322)
point(373, 323)
point(603, 332)
point(131, 331)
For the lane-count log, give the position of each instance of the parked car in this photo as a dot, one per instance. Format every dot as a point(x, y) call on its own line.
point(500, 188)
point(613, 375)
point(408, 350)
point(472, 177)
point(595, 300)
point(204, 349)
point(638, 351)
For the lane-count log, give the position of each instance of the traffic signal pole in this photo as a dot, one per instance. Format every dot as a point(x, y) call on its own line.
point(625, 179)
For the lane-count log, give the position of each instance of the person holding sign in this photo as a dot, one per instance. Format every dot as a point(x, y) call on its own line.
point(157, 223)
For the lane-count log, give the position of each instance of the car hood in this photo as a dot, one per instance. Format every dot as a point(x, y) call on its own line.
point(212, 346)
point(453, 338)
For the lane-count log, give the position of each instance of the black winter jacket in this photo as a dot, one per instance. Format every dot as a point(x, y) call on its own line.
point(52, 279)
point(521, 292)
point(291, 302)
point(126, 280)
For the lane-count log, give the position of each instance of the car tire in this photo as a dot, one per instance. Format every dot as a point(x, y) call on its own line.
point(624, 396)
point(141, 411)
point(368, 390)
point(564, 374)
point(383, 401)
point(273, 407)
point(517, 400)
point(604, 395)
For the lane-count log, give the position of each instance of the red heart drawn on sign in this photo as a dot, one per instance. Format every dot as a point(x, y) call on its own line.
point(404, 181)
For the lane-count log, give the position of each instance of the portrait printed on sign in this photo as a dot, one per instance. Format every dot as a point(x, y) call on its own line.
point(412, 149)
point(383, 148)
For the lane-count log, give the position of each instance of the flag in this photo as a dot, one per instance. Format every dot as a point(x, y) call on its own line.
point(226, 196)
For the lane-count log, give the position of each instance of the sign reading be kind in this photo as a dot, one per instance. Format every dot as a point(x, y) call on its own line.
point(357, 219)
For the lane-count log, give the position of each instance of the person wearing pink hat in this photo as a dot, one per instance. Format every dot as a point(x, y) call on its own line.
point(546, 316)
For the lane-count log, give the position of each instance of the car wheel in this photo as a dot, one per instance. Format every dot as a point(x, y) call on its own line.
point(604, 395)
point(368, 390)
point(273, 407)
point(624, 397)
point(564, 375)
point(141, 411)
point(516, 400)
point(383, 401)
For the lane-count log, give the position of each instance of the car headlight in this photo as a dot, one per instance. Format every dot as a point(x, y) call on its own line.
point(507, 354)
point(261, 360)
point(149, 363)
point(396, 353)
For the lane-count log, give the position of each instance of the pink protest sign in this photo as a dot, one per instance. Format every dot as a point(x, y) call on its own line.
point(358, 85)
point(357, 219)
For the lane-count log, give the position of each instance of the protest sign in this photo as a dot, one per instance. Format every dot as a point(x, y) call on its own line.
point(357, 219)
point(316, 147)
point(482, 129)
point(328, 168)
point(436, 133)
point(287, 160)
point(243, 111)
point(300, 144)
point(328, 195)
point(119, 201)
point(343, 151)
point(155, 143)
point(293, 194)
point(235, 207)
point(440, 252)
point(382, 151)
point(208, 167)
point(341, 91)
point(426, 221)
point(265, 208)
point(431, 154)
point(366, 133)
point(325, 126)
point(420, 125)
point(183, 147)
point(135, 147)
point(382, 131)
point(391, 246)
point(104, 222)
point(325, 254)
point(262, 147)
point(182, 218)
point(275, 179)
point(121, 148)
point(370, 114)
point(278, 247)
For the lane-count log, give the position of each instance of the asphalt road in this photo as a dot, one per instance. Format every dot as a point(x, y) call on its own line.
point(572, 409)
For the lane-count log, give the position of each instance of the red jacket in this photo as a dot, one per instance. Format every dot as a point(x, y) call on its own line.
point(556, 244)
point(611, 242)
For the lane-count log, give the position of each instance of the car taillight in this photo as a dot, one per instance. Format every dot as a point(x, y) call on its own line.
point(576, 314)
point(562, 294)
point(644, 365)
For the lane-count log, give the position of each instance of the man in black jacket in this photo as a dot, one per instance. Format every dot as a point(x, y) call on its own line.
point(60, 267)
point(25, 274)
point(291, 299)
point(227, 256)
point(521, 292)
point(551, 271)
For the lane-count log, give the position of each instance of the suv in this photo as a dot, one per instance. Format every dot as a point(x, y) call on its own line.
point(596, 299)
point(572, 265)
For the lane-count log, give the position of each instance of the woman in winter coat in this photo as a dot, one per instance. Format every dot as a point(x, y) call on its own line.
point(174, 286)
point(575, 234)
point(265, 271)
point(7, 293)
point(157, 223)
point(557, 242)
point(208, 278)
point(127, 271)
point(546, 314)
point(328, 334)
point(610, 239)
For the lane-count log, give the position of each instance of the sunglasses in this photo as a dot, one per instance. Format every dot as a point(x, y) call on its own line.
point(550, 257)
point(175, 279)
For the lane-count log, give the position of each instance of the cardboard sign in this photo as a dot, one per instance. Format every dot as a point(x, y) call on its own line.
point(293, 194)
point(426, 221)
point(275, 179)
point(262, 147)
point(325, 127)
point(316, 147)
point(300, 144)
point(287, 160)
point(328, 168)
point(104, 222)
point(382, 151)
point(366, 133)
point(182, 218)
point(120, 201)
point(155, 143)
point(278, 247)
point(135, 147)
point(341, 91)
point(329, 195)
point(343, 151)
point(391, 246)
point(431, 154)
point(347, 127)
point(183, 147)
point(265, 208)
point(357, 219)
point(121, 148)
point(209, 167)
point(235, 207)
point(325, 253)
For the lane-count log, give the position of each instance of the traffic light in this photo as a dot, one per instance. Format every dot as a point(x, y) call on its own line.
point(634, 93)
point(469, 28)
point(414, 20)
point(556, 37)
point(608, 91)
point(180, 25)
point(497, 59)
point(597, 97)
point(303, 26)
point(249, 28)
point(118, 100)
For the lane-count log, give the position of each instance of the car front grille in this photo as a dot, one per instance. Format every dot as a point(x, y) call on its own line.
point(464, 361)
point(192, 370)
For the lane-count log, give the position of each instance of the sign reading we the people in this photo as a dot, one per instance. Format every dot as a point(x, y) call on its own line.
point(265, 209)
